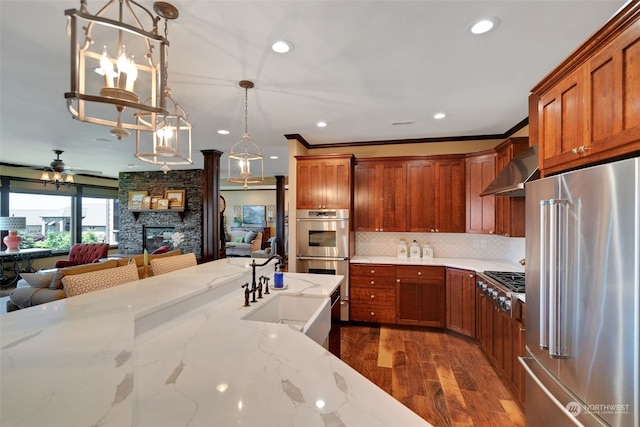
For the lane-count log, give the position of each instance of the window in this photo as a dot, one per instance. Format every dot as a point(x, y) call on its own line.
point(48, 220)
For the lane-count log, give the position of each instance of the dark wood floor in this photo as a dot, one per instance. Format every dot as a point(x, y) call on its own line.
point(443, 378)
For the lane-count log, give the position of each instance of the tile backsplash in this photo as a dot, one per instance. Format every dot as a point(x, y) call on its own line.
point(445, 245)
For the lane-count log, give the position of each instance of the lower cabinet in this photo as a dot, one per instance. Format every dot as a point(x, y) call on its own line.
point(420, 295)
point(502, 339)
point(461, 302)
point(373, 293)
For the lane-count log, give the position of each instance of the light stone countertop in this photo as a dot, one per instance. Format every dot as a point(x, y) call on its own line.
point(172, 350)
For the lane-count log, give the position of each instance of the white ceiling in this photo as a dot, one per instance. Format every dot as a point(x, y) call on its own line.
point(358, 65)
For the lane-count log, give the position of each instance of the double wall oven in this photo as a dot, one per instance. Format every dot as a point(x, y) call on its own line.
point(323, 247)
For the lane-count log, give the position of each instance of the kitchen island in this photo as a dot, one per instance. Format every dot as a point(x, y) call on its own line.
point(173, 350)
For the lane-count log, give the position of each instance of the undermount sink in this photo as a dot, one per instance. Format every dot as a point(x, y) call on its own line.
point(310, 315)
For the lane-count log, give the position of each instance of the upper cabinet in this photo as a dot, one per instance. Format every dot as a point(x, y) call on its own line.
point(587, 110)
point(510, 211)
point(380, 195)
point(410, 194)
point(324, 182)
point(480, 171)
point(436, 189)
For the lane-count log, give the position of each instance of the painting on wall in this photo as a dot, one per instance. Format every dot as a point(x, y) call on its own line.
point(254, 214)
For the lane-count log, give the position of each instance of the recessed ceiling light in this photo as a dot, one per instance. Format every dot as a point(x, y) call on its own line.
point(439, 116)
point(321, 124)
point(273, 157)
point(282, 46)
point(484, 25)
point(223, 132)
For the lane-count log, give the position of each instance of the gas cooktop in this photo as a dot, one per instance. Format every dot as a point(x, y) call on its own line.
point(513, 281)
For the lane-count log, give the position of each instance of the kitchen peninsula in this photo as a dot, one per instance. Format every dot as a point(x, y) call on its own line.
point(172, 350)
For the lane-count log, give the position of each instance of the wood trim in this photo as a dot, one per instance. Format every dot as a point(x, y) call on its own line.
point(611, 29)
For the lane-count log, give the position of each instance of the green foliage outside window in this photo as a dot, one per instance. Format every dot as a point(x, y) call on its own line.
point(59, 241)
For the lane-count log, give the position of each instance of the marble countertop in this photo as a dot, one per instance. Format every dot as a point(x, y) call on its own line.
point(172, 350)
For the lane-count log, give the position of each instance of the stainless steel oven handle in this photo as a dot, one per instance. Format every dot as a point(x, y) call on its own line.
point(322, 219)
point(319, 258)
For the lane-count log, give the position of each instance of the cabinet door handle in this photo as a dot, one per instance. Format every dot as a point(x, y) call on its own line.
point(373, 313)
point(382, 229)
point(471, 275)
point(372, 282)
point(373, 272)
point(419, 273)
point(373, 296)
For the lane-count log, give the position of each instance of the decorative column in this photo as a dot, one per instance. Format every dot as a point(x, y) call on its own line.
point(211, 206)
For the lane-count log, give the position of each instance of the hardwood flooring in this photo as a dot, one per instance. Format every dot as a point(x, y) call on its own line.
point(443, 378)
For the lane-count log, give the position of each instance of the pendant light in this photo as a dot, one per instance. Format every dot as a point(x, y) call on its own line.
point(245, 159)
point(116, 62)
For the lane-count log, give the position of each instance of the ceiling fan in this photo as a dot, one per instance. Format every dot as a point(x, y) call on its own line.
point(57, 165)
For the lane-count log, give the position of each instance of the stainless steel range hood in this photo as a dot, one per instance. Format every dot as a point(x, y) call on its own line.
point(510, 181)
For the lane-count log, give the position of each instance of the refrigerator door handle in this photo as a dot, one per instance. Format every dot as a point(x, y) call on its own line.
point(544, 275)
point(558, 218)
point(524, 361)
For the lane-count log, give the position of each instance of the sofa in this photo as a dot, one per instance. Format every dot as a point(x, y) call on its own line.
point(242, 243)
point(47, 285)
point(267, 252)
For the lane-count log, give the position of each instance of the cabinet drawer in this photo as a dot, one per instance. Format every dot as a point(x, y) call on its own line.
point(373, 282)
point(373, 313)
point(369, 270)
point(373, 296)
point(413, 272)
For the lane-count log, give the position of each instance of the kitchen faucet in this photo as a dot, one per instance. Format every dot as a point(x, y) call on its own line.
point(252, 289)
point(254, 265)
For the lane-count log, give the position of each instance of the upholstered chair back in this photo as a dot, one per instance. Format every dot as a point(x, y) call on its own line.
point(169, 264)
point(84, 253)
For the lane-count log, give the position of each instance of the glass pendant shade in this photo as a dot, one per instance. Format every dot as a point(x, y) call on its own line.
point(245, 159)
point(170, 143)
point(245, 163)
point(116, 62)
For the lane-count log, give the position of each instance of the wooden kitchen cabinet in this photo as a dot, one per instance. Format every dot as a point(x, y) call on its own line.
point(461, 302)
point(436, 195)
point(480, 171)
point(510, 211)
point(324, 181)
point(380, 195)
point(420, 296)
point(372, 293)
point(587, 110)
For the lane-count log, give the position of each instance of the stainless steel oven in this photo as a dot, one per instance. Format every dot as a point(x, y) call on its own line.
point(323, 247)
point(323, 233)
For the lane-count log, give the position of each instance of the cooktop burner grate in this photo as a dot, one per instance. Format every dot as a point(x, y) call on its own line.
point(513, 281)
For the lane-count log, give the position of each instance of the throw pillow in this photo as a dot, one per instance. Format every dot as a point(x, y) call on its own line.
point(56, 281)
point(38, 280)
point(240, 240)
point(250, 236)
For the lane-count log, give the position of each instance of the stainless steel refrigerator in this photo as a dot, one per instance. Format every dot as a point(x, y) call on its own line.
point(583, 297)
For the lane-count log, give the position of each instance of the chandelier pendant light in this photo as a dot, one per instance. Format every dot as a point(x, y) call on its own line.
point(170, 142)
point(245, 153)
point(116, 62)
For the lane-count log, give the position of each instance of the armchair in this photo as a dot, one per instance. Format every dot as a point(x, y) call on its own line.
point(84, 253)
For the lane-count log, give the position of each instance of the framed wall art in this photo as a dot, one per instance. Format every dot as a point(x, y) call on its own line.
point(163, 204)
point(254, 214)
point(135, 199)
point(175, 198)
